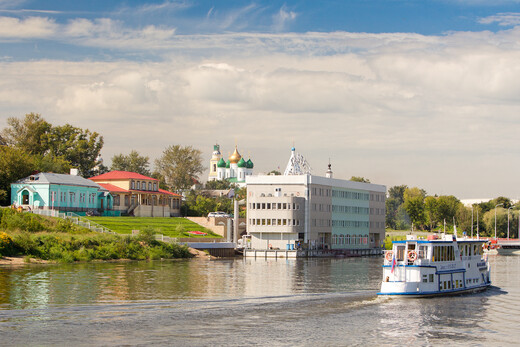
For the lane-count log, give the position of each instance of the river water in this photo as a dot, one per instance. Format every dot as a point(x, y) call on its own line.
point(304, 302)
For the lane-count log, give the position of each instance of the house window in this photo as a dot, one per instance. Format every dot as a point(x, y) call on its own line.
point(132, 185)
point(149, 185)
point(155, 186)
point(117, 200)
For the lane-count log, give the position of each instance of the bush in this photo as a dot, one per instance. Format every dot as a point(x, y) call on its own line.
point(7, 245)
point(64, 247)
point(14, 220)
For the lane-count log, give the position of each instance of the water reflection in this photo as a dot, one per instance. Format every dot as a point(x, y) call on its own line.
point(260, 301)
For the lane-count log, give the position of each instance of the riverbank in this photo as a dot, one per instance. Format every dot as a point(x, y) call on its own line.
point(58, 240)
point(24, 260)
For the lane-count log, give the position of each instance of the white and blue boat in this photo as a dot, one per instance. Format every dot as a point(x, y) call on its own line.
point(438, 265)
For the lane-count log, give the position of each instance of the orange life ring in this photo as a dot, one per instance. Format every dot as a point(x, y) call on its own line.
point(389, 255)
point(412, 255)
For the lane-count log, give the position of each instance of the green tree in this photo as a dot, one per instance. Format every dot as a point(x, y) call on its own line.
point(392, 204)
point(463, 219)
point(132, 162)
point(274, 172)
point(402, 219)
point(180, 166)
point(414, 205)
point(447, 206)
point(506, 202)
point(431, 211)
point(27, 134)
point(397, 192)
point(49, 163)
point(15, 164)
point(359, 179)
point(79, 147)
point(54, 147)
point(219, 185)
point(501, 222)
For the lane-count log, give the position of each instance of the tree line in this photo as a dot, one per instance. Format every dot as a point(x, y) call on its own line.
point(31, 144)
point(412, 207)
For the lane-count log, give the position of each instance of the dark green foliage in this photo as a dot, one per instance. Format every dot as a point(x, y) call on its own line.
point(219, 184)
point(50, 148)
point(7, 245)
point(180, 166)
point(69, 248)
point(132, 162)
point(359, 179)
point(65, 242)
point(13, 220)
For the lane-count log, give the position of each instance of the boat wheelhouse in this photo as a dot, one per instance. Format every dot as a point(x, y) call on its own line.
point(435, 266)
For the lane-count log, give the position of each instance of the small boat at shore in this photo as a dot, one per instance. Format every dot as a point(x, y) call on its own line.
point(438, 265)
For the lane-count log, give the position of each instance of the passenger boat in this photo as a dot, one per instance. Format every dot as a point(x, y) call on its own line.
point(438, 265)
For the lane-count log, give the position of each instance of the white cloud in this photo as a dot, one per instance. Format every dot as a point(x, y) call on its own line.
point(435, 111)
point(102, 32)
point(502, 19)
point(31, 27)
point(283, 16)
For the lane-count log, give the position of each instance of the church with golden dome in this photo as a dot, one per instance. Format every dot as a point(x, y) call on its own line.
point(235, 169)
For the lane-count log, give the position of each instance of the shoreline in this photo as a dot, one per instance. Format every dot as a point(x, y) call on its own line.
point(20, 260)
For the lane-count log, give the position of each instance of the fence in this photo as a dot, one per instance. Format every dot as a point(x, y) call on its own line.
point(76, 219)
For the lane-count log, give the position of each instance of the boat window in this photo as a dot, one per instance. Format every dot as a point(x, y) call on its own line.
point(423, 251)
point(431, 277)
point(425, 278)
point(400, 253)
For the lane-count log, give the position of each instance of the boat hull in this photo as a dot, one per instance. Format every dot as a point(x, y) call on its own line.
point(437, 293)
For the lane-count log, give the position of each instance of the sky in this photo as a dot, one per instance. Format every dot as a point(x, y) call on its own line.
point(418, 92)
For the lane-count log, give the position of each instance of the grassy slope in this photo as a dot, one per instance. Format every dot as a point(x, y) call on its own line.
point(166, 226)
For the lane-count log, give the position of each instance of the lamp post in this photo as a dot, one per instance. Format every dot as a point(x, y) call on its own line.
point(508, 221)
point(496, 219)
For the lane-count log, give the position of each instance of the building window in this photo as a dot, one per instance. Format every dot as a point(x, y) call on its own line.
point(149, 185)
point(155, 187)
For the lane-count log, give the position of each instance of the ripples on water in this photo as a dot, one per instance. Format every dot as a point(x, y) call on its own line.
point(307, 302)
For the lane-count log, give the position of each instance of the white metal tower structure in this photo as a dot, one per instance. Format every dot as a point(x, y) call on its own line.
point(297, 165)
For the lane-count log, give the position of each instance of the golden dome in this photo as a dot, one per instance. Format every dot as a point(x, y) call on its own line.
point(235, 157)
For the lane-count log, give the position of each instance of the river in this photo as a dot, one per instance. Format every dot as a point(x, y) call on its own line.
point(304, 302)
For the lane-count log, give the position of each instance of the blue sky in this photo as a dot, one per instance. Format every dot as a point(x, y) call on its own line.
point(423, 93)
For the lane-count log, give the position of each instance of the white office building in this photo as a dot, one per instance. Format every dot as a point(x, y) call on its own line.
point(300, 210)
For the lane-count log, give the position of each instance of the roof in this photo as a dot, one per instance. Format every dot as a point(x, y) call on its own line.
point(168, 193)
point(118, 175)
point(113, 188)
point(54, 178)
point(221, 163)
point(242, 163)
